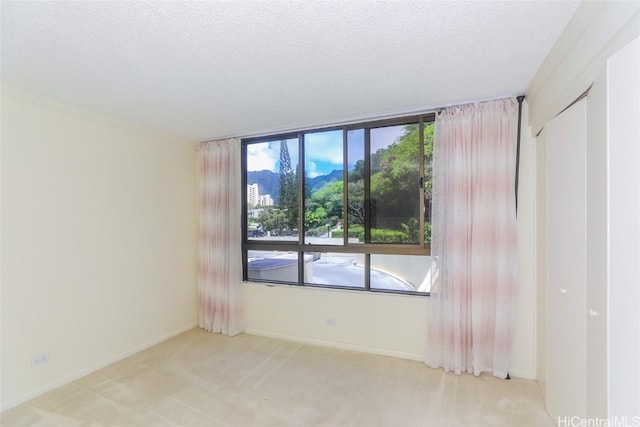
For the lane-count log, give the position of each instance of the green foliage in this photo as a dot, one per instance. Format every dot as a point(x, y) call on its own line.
point(315, 219)
point(354, 231)
point(325, 203)
point(411, 230)
point(429, 129)
point(427, 232)
point(381, 235)
point(357, 173)
point(394, 189)
point(318, 231)
point(355, 203)
point(288, 197)
point(395, 174)
point(273, 220)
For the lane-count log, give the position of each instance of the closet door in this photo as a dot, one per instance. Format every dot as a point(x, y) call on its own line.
point(597, 398)
point(566, 262)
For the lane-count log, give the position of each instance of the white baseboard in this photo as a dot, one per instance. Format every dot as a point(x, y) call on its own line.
point(515, 373)
point(521, 373)
point(335, 344)
point(86, 371)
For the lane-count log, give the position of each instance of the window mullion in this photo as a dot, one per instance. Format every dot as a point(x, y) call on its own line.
point(367, 272)
point(367, 186)
point(301, 207)
point(422, 182)
point(345, 187)
point(301, 193)
point(245, 204)
point(301, 267)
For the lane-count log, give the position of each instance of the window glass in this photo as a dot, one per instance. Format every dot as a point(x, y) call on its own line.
point(335, 269)
point(273, 266)
point(395, 184)
point(272, 190)
point(428, 178)
point(355, 185)
point(401, 272)
point(323, 198)
point(348, 207)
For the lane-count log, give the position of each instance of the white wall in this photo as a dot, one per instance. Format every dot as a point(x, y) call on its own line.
point(542, 325)
point(524, 344)
point(391, 324)
point(99, 232)
point(595, 32)
point(387, 324)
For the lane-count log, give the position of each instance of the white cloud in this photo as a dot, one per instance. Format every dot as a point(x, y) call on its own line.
point(324, 147)
point(262, 156)
point(266, 155)
point(312, 170)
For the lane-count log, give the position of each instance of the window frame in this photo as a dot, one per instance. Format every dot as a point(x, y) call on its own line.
point(367, 248)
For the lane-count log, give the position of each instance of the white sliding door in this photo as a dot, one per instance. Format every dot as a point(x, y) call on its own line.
point(597, 397)
point(566, 262)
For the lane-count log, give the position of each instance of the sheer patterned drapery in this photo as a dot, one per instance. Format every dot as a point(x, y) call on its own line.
point(474, 239)
point(220, 307)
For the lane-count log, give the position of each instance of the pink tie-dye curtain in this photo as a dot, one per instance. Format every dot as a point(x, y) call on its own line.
point(220, 306)
point(473, 245)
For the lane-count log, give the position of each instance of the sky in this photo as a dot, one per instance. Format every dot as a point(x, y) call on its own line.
point(323, 150)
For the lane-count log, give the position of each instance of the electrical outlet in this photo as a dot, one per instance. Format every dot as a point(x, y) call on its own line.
point(331, 322)
point(40, 358)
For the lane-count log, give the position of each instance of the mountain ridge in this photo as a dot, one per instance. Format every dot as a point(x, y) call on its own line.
point(269, 182)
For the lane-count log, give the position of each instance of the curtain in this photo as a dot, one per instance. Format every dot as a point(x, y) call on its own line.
point(220, 307)
point(473, 247)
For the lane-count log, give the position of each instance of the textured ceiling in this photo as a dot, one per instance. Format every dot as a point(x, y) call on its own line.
point(203, 70)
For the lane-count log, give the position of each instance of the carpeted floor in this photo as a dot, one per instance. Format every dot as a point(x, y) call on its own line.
point(202, 379)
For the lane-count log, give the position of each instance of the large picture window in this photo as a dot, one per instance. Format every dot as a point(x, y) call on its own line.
point(345, 207)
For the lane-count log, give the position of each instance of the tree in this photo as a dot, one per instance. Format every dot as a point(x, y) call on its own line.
point(395, 177)
point(355, 206)
point(357, 173)
point(394, 189)
point(273, 220)
point(288, 197)
point(429, 129)
point(315, 219)
point(412, 229)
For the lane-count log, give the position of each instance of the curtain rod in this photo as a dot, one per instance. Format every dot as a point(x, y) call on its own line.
point(355, 120)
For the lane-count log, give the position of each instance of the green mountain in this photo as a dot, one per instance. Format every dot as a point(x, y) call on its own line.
point(269, 182)
point(318, 182)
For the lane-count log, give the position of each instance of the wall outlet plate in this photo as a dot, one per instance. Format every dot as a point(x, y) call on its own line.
point(40, 358)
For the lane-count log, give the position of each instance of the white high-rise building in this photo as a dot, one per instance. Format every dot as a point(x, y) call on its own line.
point(255, 199)
point(265, 200)
point(253, 196)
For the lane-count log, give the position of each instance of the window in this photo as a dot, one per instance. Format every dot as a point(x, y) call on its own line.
point(344, 207)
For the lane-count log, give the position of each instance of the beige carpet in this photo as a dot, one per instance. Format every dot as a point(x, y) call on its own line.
point(202, 379)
